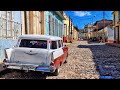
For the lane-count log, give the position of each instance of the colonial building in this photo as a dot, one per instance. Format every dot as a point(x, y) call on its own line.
point(109, 33)
point(100, 25)
point(75, 33)
point(31, 22)
point(52, 23)
point(88, 29)
point(68, 29)
point(82, 34)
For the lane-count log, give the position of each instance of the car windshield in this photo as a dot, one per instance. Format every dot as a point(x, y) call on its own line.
point(33, 43)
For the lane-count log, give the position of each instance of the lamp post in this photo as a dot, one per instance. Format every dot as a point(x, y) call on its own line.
point(103, 26)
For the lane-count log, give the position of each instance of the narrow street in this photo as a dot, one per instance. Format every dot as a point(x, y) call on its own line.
point(85, 61)
point(91, 61)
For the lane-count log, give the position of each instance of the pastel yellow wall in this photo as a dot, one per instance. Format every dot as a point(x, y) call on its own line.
point(36, 24)
point(66, 21)
point(116, 21)
point(33, 24)
point(75, 34)
point(116, 17)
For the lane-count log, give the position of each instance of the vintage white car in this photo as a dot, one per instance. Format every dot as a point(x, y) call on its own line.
point(37, 53)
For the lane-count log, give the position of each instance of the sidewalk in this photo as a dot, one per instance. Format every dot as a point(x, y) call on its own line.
point(113, 44)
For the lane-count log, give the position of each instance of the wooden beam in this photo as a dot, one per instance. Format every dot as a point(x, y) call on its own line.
point(42, 23)
point(31, 21)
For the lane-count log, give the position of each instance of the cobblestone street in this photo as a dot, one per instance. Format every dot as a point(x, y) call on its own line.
point(91, 61)
point(85, 61)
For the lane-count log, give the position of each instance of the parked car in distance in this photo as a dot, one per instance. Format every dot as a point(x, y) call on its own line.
point(37, 53)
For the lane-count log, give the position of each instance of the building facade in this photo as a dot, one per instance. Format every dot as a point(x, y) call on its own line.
point(53, 23)
point(109, 33)
point(101, 24)
point(31, 22)
point(116, 26)
point(75, 34)
point(68, 29)
point(88, 29)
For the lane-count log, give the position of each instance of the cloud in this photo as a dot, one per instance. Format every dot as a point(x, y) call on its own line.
point(81, 13)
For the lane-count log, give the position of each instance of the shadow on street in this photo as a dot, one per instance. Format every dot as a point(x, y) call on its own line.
point(105, 59)
point(17, 74)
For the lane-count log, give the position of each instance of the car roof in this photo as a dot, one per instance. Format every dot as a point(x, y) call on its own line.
point(38, 37)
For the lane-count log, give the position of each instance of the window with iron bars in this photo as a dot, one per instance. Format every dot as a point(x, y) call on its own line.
point(8, 28)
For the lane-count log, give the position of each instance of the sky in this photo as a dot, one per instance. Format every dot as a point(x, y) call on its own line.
point(81, 18)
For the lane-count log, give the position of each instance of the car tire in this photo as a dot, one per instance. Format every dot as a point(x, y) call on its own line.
point(56, 72)
point(65, 61)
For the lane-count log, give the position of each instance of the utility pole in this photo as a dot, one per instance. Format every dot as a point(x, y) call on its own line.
point(103, 25)
point(25, 18)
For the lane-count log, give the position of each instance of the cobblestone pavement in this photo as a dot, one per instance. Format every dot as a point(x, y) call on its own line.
point(85, 61)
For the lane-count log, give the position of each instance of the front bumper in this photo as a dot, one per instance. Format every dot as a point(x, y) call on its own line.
point(29, 67)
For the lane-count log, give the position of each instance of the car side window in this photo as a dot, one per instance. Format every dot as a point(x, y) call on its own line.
point(53, 45)
point(59, 43)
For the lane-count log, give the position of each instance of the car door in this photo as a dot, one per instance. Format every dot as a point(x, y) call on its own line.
point(57, 53)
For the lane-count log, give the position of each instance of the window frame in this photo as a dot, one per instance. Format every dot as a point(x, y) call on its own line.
point(19, 43)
